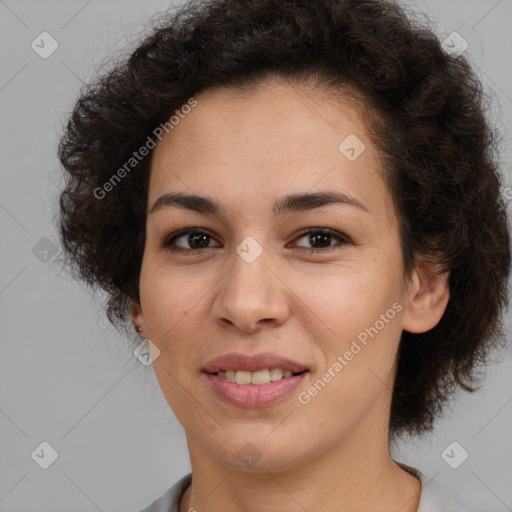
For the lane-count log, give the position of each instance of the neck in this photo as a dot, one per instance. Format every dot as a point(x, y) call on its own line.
point(341, 479)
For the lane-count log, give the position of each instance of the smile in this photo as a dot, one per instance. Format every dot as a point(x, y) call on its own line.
point(255, 378)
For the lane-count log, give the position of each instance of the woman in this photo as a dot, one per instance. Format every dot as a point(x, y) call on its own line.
point(298, 205)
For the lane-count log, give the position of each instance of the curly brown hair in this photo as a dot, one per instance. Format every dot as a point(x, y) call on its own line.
point(439, 152)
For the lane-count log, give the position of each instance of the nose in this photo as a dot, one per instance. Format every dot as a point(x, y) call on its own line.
point(252, 295)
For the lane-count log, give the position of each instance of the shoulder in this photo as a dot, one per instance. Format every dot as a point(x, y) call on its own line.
point(170, 501)
point(434, 497)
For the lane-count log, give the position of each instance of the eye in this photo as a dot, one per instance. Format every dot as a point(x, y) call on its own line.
point(323, 237)
point(196, 239)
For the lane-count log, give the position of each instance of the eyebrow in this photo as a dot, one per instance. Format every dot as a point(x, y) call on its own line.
point(290, 203)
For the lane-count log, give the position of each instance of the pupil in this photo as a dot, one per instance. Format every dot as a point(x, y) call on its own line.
point(318, 236)
point(192, 239)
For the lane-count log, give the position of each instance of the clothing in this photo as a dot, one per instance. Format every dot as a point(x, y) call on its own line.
point(433, 496)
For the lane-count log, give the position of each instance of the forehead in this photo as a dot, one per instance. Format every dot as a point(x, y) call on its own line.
point(244, 147)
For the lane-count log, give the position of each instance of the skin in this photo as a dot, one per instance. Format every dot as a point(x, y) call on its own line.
point(245, 151)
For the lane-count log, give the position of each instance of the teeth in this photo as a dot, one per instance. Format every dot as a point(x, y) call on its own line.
point(260, 377)
point(242, 377)
point(276, 374)
point(256, 378)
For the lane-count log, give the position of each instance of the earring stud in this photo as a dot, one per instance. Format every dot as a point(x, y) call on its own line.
point(138, 328)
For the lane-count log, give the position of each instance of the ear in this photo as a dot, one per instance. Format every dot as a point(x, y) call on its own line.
point(137, 315)
point(428, 295)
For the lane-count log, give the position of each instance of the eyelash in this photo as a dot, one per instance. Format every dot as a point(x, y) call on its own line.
point(342, 240)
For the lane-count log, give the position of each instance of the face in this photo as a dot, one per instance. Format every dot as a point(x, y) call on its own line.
point(311, 279)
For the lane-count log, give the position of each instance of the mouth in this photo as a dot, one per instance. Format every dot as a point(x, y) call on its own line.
point(254, 380)
point(241, 365)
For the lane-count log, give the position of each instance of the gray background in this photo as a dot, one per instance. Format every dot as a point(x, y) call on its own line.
point(68, 378)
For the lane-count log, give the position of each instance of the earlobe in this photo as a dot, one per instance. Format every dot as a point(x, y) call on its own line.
point(427, 301)
point(137, 316)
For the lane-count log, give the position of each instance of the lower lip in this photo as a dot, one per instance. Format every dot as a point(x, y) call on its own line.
point(249, 395)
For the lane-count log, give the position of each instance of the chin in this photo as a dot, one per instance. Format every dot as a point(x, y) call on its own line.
point(259, 454)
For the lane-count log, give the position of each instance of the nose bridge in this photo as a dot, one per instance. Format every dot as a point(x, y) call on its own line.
point(250, 292)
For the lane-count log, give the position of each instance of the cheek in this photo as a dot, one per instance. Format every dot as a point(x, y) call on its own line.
point(166, 295)
point(360, 313)
point(170, 302)
point(351, 298)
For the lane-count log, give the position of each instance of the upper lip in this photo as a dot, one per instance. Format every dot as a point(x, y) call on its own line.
point(252, 363)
